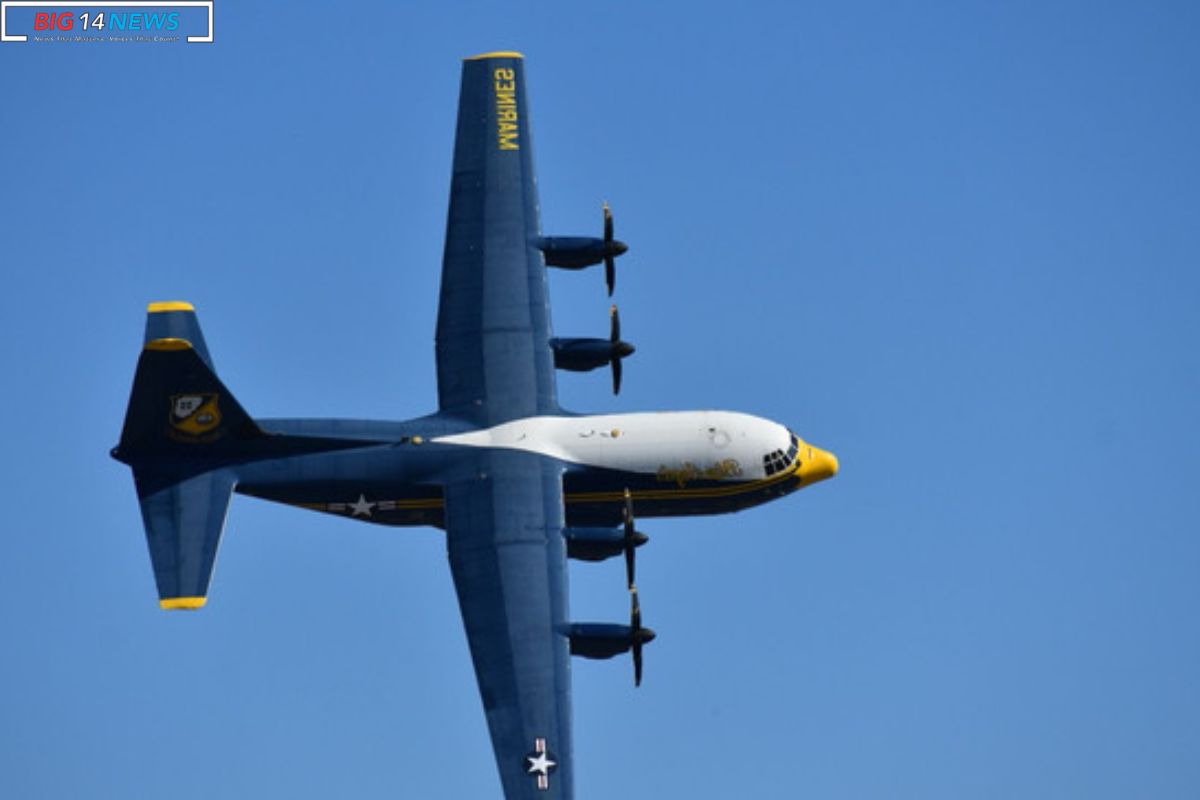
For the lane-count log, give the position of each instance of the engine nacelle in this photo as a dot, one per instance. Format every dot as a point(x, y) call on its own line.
point(605, 640)
point(577, 252)
point(584, 355)
point(598, 544)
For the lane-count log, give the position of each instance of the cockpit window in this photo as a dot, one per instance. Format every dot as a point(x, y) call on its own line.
point(777, 461)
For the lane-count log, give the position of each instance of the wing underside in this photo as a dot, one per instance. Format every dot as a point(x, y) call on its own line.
point(507, 555)
point(504, 509)
point(494, 361)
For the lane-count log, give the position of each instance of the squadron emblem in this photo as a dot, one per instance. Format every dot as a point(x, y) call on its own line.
point(195, 414)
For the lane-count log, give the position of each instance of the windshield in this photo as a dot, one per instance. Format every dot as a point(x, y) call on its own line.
point(777, 461)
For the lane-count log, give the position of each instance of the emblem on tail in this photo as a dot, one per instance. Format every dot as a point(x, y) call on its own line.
point(195, 414)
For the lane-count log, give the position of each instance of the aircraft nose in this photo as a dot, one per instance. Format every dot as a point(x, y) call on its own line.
point(819, 465)
point(619, 247)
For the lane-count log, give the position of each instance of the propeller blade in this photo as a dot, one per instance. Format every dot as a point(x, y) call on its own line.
point(610, 268)
point(619, 349)
point(635, 622)
point(630, 542)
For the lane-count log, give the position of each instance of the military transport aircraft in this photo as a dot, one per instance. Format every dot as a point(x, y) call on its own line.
point(518, 484)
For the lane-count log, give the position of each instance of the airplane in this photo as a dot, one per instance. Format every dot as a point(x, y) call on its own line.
point(517, 483)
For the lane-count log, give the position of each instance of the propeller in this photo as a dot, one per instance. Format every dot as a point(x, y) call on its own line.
point(612, 249)
point(639, 635)
point(620, 349)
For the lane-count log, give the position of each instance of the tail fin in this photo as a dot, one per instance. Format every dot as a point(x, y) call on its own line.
point(183, 431)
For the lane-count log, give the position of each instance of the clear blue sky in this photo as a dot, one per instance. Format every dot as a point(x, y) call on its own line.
point(955, 243)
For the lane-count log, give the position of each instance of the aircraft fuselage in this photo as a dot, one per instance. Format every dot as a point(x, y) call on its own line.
point(674, 463)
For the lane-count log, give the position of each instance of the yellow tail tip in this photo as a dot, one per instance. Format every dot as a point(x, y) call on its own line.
point(168, 344)
point(174, 603)
point(169, 305)
point(495, 54)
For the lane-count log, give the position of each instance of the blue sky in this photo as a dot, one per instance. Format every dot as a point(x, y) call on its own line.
point(954, 243)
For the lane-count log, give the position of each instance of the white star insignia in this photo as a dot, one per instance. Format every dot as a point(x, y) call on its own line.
point(540, 764)
point(360, 507)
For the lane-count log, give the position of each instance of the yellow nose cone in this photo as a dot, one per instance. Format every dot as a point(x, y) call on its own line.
point(817, 466)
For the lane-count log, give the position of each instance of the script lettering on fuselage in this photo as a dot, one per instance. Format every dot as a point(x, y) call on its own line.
point(506, 109)
point(688, 472)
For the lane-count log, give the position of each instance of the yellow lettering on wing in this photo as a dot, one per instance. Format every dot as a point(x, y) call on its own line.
point(507, 129)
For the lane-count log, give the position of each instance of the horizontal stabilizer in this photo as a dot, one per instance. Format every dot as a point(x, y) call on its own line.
point(176, 320)
point(183, 434)
point(183, 529)
point(186, 437)
point(178, 406)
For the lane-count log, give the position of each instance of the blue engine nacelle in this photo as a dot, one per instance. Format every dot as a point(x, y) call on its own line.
point(577, 252)
point(598, 544)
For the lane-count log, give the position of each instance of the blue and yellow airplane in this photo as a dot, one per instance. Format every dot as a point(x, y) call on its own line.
point(518, 484)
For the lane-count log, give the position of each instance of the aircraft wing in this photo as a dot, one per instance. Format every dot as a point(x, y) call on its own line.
point(494, 361)
point(507, 554)
point(504, 509)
